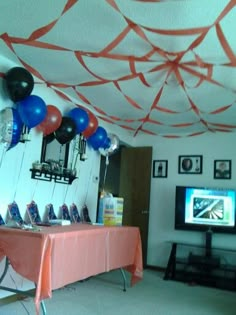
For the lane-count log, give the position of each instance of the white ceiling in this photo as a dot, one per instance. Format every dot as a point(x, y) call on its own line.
point(166, 68)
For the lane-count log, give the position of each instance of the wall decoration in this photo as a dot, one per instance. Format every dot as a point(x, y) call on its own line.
point(222, 169)
point(190, 164)
point(160, 168)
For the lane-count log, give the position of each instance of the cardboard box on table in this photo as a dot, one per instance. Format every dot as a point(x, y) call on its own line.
point(110, 210)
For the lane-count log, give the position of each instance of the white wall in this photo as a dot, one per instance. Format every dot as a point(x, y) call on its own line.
point(162, 200)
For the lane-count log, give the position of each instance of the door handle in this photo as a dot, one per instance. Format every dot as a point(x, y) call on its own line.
point(145, 212)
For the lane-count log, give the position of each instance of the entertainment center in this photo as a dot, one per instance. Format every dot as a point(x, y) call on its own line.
point(208, 210)
point(197, 268)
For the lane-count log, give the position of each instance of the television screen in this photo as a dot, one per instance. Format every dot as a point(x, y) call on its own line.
point(198, 208)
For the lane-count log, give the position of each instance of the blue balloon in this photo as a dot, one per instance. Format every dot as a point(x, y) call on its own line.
point(80, 117)
point(32, 110)
point(98, 138)
point(106, 144)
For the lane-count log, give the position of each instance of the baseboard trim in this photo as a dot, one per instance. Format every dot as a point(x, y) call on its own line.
point(157, 268)
point(16, 297)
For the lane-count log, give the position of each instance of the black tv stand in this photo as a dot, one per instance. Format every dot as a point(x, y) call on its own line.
point(208, 243)
point(196, 264)
point(208, 260)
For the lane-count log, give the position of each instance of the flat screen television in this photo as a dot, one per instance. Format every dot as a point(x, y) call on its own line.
point(201, 209)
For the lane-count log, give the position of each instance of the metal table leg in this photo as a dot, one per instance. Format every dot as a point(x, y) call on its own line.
point(124, 278)
point(25, 293)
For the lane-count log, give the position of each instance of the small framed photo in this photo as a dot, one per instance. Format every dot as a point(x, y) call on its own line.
point(160, 168)
point(190, 164)
point(222, 169)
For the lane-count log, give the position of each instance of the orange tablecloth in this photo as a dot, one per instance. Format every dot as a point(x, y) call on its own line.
point(59, 255)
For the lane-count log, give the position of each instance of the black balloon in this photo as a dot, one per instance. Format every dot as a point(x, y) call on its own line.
point(67, 130)
point(19, 83)
point(49, 138)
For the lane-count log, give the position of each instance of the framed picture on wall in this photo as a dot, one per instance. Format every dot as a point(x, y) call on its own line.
point(222, 169)
point(190, 164)
point(160, 168)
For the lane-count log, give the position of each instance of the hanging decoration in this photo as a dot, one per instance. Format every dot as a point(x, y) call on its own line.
point(25, 134)
point(79, 150)
point(82, 148)
point(19, 83)
point(31, 111)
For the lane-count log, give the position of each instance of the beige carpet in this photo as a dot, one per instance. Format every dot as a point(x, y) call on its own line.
point(103, 295)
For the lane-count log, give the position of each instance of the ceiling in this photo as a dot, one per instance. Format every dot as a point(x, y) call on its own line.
point(164, 68)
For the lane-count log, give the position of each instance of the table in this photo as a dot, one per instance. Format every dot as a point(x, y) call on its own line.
point(58, 255)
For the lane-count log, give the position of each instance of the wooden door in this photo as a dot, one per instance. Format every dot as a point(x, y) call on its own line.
point(135, 178)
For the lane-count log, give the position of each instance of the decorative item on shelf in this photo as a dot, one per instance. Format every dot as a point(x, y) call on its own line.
point(37, 166)
point(52, 171)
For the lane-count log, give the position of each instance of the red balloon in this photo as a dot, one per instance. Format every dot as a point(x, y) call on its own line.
point(52, 121)
point(92, 125)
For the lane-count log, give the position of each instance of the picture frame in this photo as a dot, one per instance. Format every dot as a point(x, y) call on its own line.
point(190, 164)
point(222, 169)
point(160, 168)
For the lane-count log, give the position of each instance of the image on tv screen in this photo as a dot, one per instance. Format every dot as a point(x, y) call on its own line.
point(209, 207)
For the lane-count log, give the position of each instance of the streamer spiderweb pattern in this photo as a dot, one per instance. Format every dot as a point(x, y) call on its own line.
point(163, 68)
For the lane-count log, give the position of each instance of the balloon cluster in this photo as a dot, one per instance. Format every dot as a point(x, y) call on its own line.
point(31, 111)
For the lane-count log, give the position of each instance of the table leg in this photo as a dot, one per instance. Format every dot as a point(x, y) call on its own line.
point(124, 278)
point(25, 293)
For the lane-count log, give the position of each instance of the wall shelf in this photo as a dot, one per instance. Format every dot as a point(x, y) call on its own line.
point(49, 176)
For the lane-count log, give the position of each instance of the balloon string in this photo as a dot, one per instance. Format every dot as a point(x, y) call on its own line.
point(89, 179)
point(2, 156)
point(65, 194)
point(17, 182)
point(73, 163)
point(33, 194)
point(105, 172)
point(53, 190)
